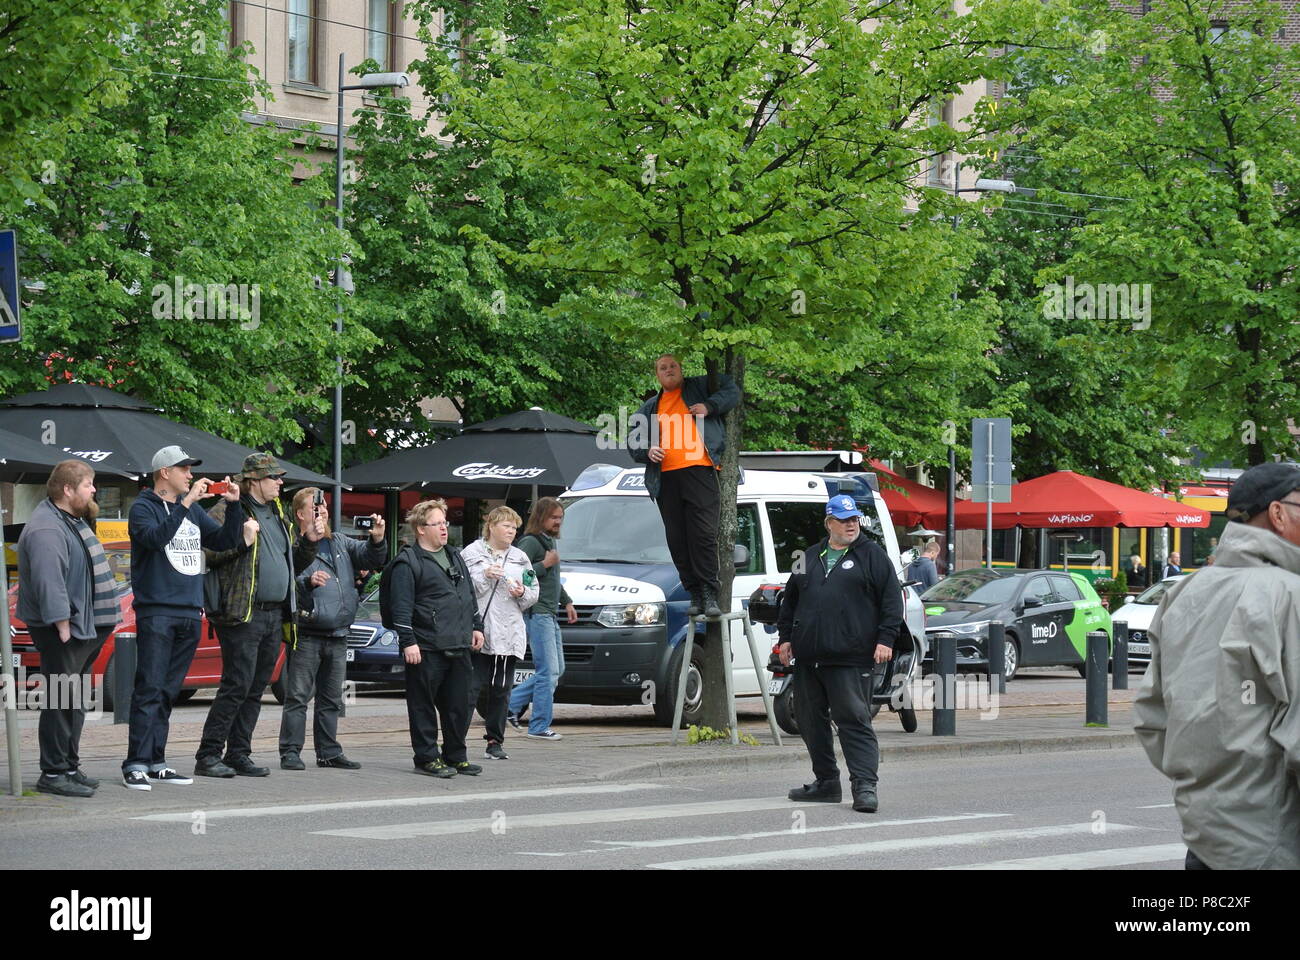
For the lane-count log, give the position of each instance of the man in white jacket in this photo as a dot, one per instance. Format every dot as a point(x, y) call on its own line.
point(1218, 711)
point(504, 586)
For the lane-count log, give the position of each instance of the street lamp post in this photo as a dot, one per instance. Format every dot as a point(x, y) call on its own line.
point(342, 277)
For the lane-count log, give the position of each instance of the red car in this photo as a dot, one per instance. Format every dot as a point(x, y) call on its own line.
point(204, 671)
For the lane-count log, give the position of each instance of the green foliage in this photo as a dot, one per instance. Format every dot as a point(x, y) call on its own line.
point(1189, 146)
point(1114, 589)
point(171, 185)
point(696, 734)
point(59, 61)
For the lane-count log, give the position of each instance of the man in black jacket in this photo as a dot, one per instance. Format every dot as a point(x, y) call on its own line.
point(840, 614)
point(438, 624)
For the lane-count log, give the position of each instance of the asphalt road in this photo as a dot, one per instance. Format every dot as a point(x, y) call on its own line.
point(1059, 810)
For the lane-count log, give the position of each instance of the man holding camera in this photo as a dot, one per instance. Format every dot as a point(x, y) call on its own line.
point(318, 666)
point(256, 608)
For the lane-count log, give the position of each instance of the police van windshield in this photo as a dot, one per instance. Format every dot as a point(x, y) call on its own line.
point(613, 528)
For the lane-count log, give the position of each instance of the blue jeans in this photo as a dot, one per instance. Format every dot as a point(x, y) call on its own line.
point(548, 658)
point(164, 651)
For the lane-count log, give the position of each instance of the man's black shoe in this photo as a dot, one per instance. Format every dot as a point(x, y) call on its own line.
point(291, 761)
point(76, 776)
point(696, 607)
point(245, 767)
point(213, 768)
point(340, 762)
point(60, 784)
point(864, 798)
point(711, 608)
point(819, 791)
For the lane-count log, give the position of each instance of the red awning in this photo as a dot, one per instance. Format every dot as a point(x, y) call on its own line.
point(908, 501)
point(1066, 499)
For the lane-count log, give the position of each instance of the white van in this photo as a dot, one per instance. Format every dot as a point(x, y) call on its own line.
point(626, 646)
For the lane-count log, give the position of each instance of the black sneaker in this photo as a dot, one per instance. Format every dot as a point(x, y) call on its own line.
point(495, 751)
point(340, 762)
point(291, 761)
point(466, 768)
point(168, 775)
point(516, 720)
point(62, 785)
point(819, 791)
point(213, 768)
point(76, 776)
point(245, 767)
point(136, 780)
point(436, 768)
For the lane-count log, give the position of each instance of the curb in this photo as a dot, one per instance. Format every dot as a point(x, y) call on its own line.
point(704, 764)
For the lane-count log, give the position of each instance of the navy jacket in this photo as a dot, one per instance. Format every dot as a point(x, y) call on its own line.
point(694, 390)
point(167, 556)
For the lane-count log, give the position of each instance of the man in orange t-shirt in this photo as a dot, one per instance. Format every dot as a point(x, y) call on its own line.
point(687, 437)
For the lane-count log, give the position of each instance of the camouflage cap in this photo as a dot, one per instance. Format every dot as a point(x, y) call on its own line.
point(260, 465)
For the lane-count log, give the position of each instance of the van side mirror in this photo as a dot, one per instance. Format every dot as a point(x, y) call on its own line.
point(741, 556)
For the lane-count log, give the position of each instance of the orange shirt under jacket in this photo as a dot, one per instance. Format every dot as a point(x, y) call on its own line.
point(679, 436)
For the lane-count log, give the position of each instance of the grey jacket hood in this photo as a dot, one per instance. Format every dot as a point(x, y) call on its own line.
point(1218, 711)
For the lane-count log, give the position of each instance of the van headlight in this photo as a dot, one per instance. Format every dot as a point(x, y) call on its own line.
point(631, 615)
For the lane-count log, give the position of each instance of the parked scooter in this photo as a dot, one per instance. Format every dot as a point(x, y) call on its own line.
point(882, 684)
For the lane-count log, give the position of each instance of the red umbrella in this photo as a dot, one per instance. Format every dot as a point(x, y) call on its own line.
point(907, 500)
point(1066, 499)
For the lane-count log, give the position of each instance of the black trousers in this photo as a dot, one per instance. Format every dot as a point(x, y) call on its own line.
point(317, 668)
point(689, 503)
point(498, 675)
point(65, 668)
point(439, 684)
point(1193, 862)
point(248, 655)
point(823, 694)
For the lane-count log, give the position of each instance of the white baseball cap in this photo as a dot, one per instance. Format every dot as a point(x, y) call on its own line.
point(173, 456)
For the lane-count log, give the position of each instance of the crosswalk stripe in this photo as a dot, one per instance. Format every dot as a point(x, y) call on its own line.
point(1092, 859)
point(867, 825)
point(899, 845)
point(309, 808)
point(1155, 806)
point(669, 811)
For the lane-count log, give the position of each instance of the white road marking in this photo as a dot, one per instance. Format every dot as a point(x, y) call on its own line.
point(899, 845)
point(868, 825)
point(1091, 860)
point(669, 811)
point(1155, 806)
point(308, 808)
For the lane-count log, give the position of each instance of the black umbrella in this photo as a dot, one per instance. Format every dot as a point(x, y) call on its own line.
point(516, 456)
point(120, 434)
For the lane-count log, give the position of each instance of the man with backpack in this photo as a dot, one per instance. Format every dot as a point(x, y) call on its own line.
point(427, 597)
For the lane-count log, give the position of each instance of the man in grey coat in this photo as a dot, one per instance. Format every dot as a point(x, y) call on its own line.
point(1218, 711)
point(67, 596)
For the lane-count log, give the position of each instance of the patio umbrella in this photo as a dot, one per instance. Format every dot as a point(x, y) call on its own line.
point(1066, 499)
point(522, 454)
point(120, 434)
point(909, 502)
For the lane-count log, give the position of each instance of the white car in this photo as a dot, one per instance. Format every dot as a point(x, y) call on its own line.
point(1137, 614)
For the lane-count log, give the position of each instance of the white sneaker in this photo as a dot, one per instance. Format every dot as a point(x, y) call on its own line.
point(168, 775)
point(546, 735)
point(136, 780)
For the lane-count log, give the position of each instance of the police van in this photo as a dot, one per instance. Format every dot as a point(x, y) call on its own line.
point(626, 646)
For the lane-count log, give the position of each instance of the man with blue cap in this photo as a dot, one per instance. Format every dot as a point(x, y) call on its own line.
point(840, 614)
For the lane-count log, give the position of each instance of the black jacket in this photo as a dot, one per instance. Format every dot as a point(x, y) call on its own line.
point(442, 614)
point(839, 620)
point(329, 610)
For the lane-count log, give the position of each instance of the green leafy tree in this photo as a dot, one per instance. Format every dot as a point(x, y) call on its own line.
point(746, 170)
point(172, 188)
point(1181, 124)
point(59, 61)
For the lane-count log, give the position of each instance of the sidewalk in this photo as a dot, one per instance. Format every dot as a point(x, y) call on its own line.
point(1026, 722)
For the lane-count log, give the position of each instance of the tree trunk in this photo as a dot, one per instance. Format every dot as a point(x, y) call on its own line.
point(715, 708)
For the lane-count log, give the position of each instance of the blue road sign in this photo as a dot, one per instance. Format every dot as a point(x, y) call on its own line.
point(10, 329)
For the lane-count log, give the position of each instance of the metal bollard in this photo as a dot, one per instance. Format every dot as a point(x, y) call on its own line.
point(1120, 659)
point(1095, 692)
point(124, 657)
point(943, 719)
point(997, 657)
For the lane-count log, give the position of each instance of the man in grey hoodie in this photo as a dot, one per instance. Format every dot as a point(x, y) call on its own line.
point(67, 596)
point(1218, 711)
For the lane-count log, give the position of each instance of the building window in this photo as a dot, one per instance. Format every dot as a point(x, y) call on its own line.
point(380, 29)
point(302, 41)
point(230, 13)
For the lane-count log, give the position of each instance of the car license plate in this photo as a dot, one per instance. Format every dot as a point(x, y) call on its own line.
point(352, 655)
point(775, 686)
point(1140, 648)
point(522, 675)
